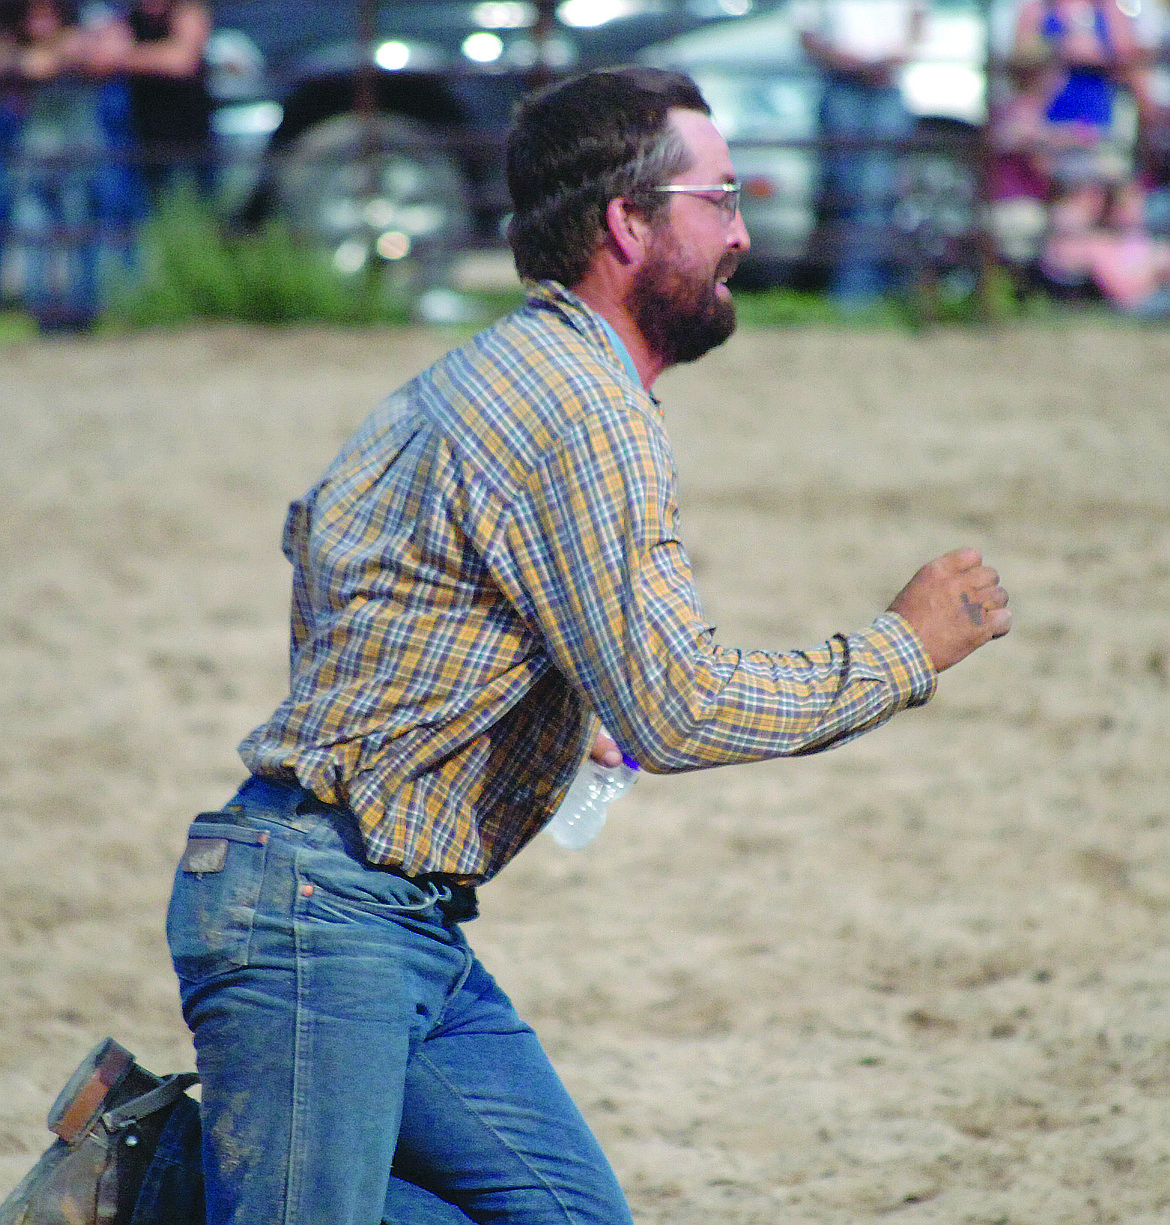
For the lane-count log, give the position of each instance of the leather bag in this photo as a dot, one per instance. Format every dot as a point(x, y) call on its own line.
point(127, 1150)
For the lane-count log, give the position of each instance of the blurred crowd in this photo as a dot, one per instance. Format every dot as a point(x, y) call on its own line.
point(105, 106)
point(1078, 123)
point(1079, 134)
point(102, 108)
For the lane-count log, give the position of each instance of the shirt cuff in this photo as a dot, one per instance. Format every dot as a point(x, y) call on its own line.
point(894, 647)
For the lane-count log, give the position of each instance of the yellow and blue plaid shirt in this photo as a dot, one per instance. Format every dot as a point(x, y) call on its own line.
point(493, 561)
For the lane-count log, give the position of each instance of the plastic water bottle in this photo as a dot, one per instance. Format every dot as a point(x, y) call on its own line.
point(581, 814)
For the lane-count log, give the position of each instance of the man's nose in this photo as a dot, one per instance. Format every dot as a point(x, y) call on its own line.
point(737, 237)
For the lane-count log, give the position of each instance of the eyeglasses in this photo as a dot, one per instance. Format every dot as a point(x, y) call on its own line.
point(727, 193)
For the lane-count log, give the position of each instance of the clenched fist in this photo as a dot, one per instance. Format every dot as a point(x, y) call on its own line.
point(955, 604)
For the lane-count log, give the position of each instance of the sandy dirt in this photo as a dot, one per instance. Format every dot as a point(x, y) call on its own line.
point(924, 978)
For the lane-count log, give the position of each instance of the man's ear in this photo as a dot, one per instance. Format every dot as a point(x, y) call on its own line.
point(627, 228)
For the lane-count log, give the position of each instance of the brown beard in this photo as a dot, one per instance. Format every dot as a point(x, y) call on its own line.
point(679, 313)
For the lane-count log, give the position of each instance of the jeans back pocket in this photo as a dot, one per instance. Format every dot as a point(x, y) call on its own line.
point(213, 902)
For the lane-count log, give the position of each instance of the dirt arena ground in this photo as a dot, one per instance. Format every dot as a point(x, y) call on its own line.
point(923, 978)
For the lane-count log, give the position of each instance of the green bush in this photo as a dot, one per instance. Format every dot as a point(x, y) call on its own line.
point(191, 267)
point(949, 300)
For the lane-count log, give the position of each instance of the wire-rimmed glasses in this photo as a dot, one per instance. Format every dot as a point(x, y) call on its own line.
point(726, 194)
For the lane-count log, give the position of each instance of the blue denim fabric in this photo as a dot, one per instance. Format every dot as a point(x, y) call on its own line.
point(860, 183)
point(60, 273)
point(69, 195)
point(358, 1063)
point(172, 1187)
point(10, 123)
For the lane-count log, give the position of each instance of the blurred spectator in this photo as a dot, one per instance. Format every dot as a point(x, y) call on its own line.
point(1131, 266)
point(1084, 52)
point(61, 175)
point(1099, 240)
point(1153, 24)
point(860, 45)
point(1091, 48)
point(1020, 171)
point(10, 116)
point(170, 101)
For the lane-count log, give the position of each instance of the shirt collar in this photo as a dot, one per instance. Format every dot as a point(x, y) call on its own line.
point(581, 315)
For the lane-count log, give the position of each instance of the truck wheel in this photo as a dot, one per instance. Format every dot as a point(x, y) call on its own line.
point(938, 194)
point(375, 189)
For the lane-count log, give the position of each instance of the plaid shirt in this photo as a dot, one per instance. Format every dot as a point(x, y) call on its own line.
point(492, 562)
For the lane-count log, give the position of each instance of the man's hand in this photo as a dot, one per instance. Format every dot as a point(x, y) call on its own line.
point(955, 604)
point(605, 750)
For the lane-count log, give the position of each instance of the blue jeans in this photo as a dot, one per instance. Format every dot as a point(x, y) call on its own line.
point(358, 1063)
point(860, 183)
point(54, 219)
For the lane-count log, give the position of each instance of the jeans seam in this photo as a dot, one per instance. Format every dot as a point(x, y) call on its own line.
point(504, 1143)
point(297, 1114)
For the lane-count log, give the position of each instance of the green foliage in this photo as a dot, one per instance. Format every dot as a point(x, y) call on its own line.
point(954, 299)
point(962, 299)
point(190, 268)
point(772, 308)
point(15, 325)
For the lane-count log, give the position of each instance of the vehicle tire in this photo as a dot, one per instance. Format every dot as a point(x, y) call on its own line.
point(937, 214)
point(375, 190)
